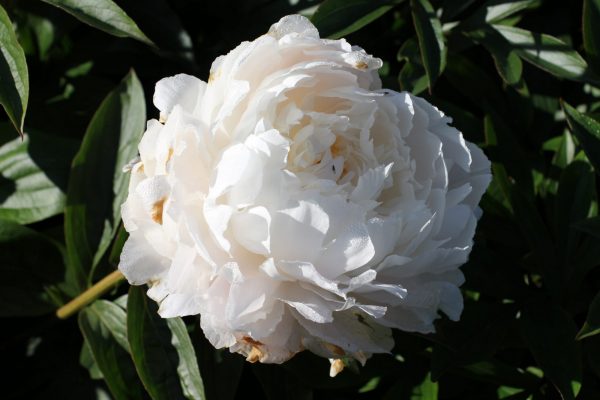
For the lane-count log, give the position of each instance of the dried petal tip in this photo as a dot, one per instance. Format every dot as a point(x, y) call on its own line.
point(157, 211)
point(337, 366)
point(254, 355)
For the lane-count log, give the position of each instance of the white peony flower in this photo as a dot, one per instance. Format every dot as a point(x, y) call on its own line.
point(294, 204)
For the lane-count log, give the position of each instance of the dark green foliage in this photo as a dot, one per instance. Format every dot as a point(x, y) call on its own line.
point(521, 78)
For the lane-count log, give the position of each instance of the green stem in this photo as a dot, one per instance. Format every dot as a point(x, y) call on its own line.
point(90, 295)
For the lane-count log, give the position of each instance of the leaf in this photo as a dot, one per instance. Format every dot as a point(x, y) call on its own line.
point(590, 226)
point(220, 369)
point(412, 77)
point(587, 131)
point(573, 201)
point(31, 267)
point(591, 326)
point(14, 79)
point(497, 10)
point(86, 359)
point(162, 350)
point(431, 39)
point(103, 325)
point(548, 53)
point(591, 30)
point(452, 8)
point(98, 186)
point(337, 18)
point(500, 373)
point(534, 229)
point(105, 15)
point(33, 176)
point(550, 335)
point(427, 390)
point(508, 63)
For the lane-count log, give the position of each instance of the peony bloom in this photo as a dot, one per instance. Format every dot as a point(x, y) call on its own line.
point(294, 204)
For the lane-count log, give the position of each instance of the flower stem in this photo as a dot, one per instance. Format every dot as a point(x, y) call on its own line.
point(90, 295)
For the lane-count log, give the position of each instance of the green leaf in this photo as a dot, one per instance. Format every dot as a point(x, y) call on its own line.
point(86, 359)
point(550, 335)
point(591, 326)
point(220, 369)
point(33, 176)
point(337, 18)
point(508, 63)
point(32, 267)
point(412, 77)
point(591, 30)
point(500, 373)
point(534, 229)
point(103, 325)
point(548, 53)
point(497, 10)
point(98, 186)
point(105, 15)
point(431, 39)
point(14, 79)
point(427, 390)
point(587, 132)
point(452, 8)
point(573, 202)
point(162, 350)
point(590, 226)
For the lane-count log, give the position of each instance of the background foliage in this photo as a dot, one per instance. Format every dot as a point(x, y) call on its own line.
point(520, 78)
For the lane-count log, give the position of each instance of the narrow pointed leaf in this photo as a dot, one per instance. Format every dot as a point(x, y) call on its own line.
point(587, 131)
point(162, 351)
point(591, 30)
point(14, 79)
point(497, 10)
point(98, 186)
point(431, 39)
point(573, 201)
point(591, 325)
point(508, 64)
point(103, 325)
point(548, 53)
point(338, 18)
point(105, 15)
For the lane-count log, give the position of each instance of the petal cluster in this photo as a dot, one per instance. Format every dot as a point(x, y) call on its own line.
point(294, 204)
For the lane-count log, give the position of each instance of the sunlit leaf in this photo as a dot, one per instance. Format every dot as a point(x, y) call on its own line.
point(14, 78)
point(98, 186)
point(548, 53)
point(162, 350)
point(103, 325)
point(587, 132)
point(33, 176)
point(105, 15)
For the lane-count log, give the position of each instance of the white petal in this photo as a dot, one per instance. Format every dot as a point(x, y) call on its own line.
point(139, 262)
point(184, 90)
point(294, 24)
point(251, 229)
